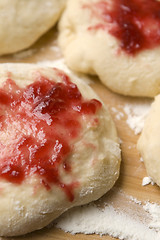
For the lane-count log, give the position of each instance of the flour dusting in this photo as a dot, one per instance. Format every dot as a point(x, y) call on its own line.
point(119, 115)
point(136, 114)
point(91, 219)
point(119, 215)
point(154, 211)
point(24, 54)
point(147, 180)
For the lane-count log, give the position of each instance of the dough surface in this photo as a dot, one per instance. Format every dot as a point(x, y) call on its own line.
point(149, 142)
point(95, 51)
point(23, 22)
point(94, 160)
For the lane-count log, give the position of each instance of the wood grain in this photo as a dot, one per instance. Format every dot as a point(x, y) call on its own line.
point(132, 170)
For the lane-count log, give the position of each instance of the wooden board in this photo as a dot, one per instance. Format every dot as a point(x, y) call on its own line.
point(132, 170)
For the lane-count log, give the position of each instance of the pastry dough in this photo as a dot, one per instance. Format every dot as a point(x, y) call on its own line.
point(23, 22)
point(89, 47)
point(149, 142)
point(85, 170)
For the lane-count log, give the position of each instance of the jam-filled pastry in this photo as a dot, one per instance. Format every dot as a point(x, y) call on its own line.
point(22, 22)
point(58, 146)
point(149, 142)
point(118, 40)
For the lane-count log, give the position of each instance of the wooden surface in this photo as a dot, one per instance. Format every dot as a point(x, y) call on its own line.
point(132, 169)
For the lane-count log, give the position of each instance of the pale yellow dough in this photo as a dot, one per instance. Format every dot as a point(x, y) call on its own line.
point(98, 52)
point(95, 161)
point(149, 142)
point(22, 22)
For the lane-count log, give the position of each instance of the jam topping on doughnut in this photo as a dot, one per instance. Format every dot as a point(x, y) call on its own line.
point(38, 127)
point(135, 23)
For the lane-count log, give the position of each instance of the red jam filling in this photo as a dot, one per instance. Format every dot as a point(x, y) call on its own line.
point(135, 23)
point(38, 127)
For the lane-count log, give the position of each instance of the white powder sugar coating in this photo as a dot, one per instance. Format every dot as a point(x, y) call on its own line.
point(136, 114)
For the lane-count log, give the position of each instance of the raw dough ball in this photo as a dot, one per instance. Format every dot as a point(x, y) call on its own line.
point(149, 142)
point(56, 152)
point(89, 47)
point(22, 22)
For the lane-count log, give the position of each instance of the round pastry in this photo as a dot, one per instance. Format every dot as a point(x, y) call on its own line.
point(58, 146)
point(118, 40)
point(23, 22)
point(149, 142)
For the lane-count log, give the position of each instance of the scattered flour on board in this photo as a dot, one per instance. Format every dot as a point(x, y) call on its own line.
point(90, 219)
point(24, 54)
point(136, 114)
point(147, 180)
point(154, 210)
point(141, 159)
point(118, 113)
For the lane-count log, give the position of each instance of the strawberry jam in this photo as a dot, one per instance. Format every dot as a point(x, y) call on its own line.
point(38, 127)
point(135, 23)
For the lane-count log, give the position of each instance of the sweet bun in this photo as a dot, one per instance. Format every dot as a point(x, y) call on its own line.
point(58, 146)
point(23, 22)
point(93, 41)
point(149, 142)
